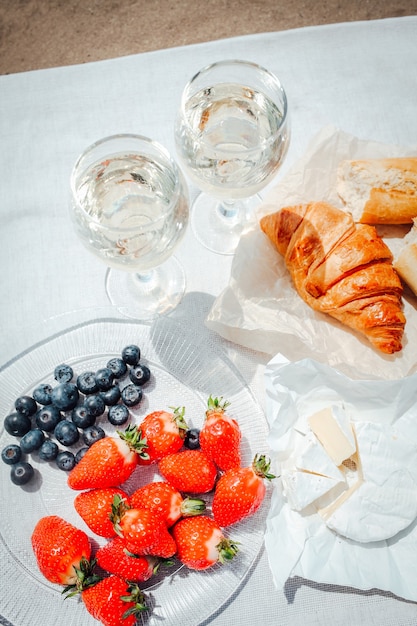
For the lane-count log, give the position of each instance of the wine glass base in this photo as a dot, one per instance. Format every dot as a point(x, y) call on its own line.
point(218, 225)
point(148, 295)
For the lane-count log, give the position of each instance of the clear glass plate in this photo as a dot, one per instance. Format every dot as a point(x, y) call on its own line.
point(186, 369)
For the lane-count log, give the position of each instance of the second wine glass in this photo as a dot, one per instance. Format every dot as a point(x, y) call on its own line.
point(129, 207)
point(232, 134)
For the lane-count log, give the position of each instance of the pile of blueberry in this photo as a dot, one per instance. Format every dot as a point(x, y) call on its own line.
point(66, 413)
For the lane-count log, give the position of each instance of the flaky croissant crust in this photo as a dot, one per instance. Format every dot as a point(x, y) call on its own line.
point(342, 269)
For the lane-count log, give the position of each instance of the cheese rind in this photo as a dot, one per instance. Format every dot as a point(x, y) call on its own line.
point(333, 429)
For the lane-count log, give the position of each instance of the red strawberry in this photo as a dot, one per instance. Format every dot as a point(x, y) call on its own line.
point(240, 492)
point(145, 533)
point(114, 602)
point(166, 501)
point(201, 543)
point(116, 559)
point(95, 507)
point(189, 471)
point(163, 433)
point(220, 436)
point(108, 462)
point(59, 548)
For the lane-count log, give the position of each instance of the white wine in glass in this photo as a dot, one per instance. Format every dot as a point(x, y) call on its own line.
point(130, 206)
point(232, 134)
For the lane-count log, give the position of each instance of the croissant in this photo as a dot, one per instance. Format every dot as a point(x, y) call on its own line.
point(341, 268)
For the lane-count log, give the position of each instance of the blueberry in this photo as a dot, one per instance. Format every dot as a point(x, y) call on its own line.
point(95, 405)
point(65, 396)
point(63, 373)
point(132, 394)
point(86, 383)
point(32, 440)
point(112, 395)
point(48, 450)
point(118, 414)
point(131, 354)
point(65, 460)
point(21, 473)
point(192, 439)
point(11, 454)
point(81, 417)
point(93, 434)
point(48, 417)
point(66, 433)
point(26, 405)
point(42, 394)
point(139, 374)
point(104, 378)
point(80, 454)
point(117, 366)
point(17, 424)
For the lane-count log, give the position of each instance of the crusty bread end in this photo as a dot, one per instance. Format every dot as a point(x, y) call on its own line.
point(379, 191)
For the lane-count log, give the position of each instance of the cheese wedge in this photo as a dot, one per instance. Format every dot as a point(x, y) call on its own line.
point(333, 429)
point(312, 457)
point(354, 479)
point(302, 488)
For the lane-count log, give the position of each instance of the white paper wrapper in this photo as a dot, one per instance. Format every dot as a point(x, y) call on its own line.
point(260, 308)
point(302, 545)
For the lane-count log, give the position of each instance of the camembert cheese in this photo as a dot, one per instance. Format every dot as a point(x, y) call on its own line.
point(359, 477)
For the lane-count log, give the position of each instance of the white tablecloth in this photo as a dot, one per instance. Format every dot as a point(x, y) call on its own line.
point(360, 77)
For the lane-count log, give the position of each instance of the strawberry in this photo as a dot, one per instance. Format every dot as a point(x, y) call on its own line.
point(144, 533)
point(116, 559)
point(114, 602)
point(95, 507)
point(220, 435)
point(163, 433)
point(240, 491)
point(166, 501)
point(189, 471)
point(201, 543)
point(109, 461)
point(59, 548)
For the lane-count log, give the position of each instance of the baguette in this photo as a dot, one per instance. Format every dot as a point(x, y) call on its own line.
point(379, 191)
point(406, 262)
point(341, 268)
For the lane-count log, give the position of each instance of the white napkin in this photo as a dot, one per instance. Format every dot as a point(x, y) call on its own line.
point(260, 308)
point(301, 544)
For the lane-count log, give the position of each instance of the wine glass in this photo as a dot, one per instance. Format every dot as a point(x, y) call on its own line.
point(130, 207)
point(231, 134)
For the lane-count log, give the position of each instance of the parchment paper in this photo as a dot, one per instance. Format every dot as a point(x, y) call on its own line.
point(260, 308)
point(302, 545)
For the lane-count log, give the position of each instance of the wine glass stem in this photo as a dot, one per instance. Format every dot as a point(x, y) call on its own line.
point(146, 281)
point(144, 277)
point(228, 209)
